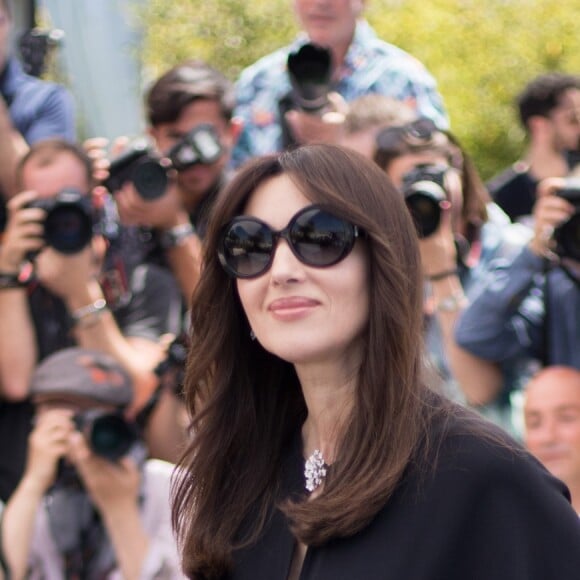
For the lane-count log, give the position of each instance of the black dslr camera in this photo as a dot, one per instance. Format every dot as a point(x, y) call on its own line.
point(70, 220)
point(140, 166)
point(424, 190)
point(567, 236)
point(108, 434)
point(310, 71)
point(201, 145)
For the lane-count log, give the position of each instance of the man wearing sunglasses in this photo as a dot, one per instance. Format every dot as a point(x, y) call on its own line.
point(360, 64)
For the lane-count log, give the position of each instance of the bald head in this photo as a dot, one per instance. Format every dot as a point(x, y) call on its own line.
point(552, 420)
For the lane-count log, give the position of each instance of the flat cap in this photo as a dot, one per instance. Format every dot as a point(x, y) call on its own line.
point(83, 373)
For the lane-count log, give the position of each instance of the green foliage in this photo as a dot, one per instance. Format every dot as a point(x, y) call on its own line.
point(482, 53)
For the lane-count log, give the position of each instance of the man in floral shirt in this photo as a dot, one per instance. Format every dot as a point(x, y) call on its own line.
point(361, 64)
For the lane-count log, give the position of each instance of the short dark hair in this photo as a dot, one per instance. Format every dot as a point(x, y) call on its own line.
point(187, 82)
point(543, 94)
point(48, 149)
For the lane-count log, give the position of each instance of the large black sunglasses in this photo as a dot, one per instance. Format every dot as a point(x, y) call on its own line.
point(317, 238)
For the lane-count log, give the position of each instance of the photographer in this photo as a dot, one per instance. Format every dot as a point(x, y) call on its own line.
point(549, 112)
point(189, 111)
point(89, 505)
point(531, 304)
point(51, 299)
point(360, 63)
point(462, 233)
point(30, 109)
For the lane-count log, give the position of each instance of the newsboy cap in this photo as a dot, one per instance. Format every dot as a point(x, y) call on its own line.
point(83, 373)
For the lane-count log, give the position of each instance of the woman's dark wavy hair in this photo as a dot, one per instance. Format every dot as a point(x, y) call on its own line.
point(247, 404)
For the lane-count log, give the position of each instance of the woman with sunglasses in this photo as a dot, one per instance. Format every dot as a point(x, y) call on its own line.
point(319, 452)
point(461, 233)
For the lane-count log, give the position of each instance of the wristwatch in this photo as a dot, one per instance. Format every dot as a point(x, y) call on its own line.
point(10, 280)
point(176, 235)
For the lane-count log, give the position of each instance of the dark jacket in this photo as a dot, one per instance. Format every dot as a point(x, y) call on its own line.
point(480, 508)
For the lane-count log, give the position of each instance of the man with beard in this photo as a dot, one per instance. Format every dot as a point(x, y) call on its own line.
point(549, 111)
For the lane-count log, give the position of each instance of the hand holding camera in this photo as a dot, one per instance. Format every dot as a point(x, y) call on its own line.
point(112, 485)
point(47, 444)
point(149, 172)
point(314, 112)
point(425, 191)
point(324, 128)
point(557, 218)
point(24, 232)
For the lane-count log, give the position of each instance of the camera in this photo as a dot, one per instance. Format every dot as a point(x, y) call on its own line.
point(170, 373)
point(424, 190)
point(108, 434)
point(70, 220)
point(201, 145)
point(140, 166)
point(567, 235)
point(310, 71)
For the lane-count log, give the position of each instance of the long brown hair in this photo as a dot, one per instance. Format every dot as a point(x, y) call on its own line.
point(247, 404)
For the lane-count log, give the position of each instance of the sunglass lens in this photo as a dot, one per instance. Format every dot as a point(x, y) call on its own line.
point(247, 247)
point(422, 129)
point(320, 238)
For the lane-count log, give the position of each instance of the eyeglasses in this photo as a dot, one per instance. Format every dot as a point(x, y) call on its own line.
point(317, 238)
point(419, 132)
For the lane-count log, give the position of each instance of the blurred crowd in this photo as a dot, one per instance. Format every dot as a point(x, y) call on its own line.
point(102, 248)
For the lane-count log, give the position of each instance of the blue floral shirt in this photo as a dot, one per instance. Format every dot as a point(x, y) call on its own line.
point(371, 66)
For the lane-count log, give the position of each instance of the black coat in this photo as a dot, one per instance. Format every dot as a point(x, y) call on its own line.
point(486, 511)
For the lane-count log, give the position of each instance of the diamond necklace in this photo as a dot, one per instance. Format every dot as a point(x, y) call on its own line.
point(314, 470)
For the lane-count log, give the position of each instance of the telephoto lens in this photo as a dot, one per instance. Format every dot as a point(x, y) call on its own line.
point(310, 70)
point(70, 220)
point(109, 435)
point(138, 165)
point(424, 190)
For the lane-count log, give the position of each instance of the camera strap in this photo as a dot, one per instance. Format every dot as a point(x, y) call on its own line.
point(285, 104)
point(545, 347)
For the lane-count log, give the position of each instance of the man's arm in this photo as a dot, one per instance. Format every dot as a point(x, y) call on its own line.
point(168, 216)
point(12, 148)
point(141, 536)
point(152, 312)
point(506, 318)
point(18, 351)
point(47, 443)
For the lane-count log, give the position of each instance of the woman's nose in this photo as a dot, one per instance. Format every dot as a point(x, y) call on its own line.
point(286, 267)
